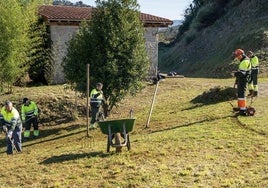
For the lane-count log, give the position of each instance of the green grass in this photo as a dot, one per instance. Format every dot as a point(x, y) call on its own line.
point(185, 145)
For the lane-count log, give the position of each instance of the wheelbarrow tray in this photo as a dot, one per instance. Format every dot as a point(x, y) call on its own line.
point(117, 125)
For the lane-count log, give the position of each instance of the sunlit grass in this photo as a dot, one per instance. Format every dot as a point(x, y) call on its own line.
point(185, 145)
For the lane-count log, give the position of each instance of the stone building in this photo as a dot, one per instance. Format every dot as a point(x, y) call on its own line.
point(64, 21)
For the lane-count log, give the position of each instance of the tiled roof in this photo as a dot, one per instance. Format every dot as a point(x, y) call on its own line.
point(76, 14)
point(65, 12)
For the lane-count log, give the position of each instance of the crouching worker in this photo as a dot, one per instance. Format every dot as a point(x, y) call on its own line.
point(12, 127)
point(29, 113)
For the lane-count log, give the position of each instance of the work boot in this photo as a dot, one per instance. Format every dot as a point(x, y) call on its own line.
point(255, 94)
point(92, 126)
point(242, 113)
point(250, 93)
point(36, 133)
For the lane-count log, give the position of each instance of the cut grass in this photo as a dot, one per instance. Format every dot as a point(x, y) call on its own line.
point(186, 144)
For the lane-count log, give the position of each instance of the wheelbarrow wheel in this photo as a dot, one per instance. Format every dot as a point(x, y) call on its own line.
point(128, 142)
point(118, 142)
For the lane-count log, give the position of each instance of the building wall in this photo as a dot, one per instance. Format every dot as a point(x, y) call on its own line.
point(151, 43)
point(61, 34)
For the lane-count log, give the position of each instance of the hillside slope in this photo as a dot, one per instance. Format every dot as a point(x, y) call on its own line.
point(208, 52)
point(193, 140)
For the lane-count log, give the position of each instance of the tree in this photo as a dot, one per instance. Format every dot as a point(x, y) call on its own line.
point(69, 3)
point(62, 2)
point(13, 40)
point(114, 46)
point(40, 59)
point(15, 19)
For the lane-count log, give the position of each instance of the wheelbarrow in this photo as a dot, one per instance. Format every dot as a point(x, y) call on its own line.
point(118, 130)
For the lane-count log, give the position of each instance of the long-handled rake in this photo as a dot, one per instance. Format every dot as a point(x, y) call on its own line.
point(13, 145)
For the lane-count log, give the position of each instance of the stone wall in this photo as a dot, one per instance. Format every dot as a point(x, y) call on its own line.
point(61, 34)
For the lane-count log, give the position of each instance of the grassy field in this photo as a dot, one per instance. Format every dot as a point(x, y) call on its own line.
point(193, 140)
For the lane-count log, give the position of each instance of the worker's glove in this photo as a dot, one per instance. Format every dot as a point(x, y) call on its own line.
point(9, 134)
point(4, 128)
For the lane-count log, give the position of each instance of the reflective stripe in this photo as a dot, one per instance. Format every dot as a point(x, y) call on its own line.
point(30, 113)
point(241, 103)
point(245, 72)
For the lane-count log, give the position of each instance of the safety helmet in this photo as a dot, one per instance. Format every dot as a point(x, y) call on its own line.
point(239, 52)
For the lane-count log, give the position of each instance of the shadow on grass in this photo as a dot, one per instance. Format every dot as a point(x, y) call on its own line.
point(52, 139)
point(45, 133)
point(38, 140)
point(53, 131)
point(213, 96)
point(193, 123)
point(235, 120)
point(70, 157)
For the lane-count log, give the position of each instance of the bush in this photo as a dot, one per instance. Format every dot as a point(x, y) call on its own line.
point(208, 14)
point(190, 36)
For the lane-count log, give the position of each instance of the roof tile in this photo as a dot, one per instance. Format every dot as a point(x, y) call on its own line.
point(72, 13)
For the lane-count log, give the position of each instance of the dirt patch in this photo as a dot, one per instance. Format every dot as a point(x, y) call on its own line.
point(263, 89)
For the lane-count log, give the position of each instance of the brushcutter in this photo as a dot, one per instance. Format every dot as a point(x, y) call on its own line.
point(250, 111)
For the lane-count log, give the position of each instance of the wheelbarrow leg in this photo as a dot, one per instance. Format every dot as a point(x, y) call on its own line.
point(109, 140)
point(108, 144)
point(128, 142)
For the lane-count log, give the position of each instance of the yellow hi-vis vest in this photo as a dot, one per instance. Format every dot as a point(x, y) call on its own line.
point(29, 111)
point(245, 66)
point(10, 119)
point(254, 62)
point(96, 98)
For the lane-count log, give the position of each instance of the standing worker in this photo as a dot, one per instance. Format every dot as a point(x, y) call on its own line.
point(29, 113)
point(12, 127)
point(96, 99)
point(253, 83)
point(242, 76)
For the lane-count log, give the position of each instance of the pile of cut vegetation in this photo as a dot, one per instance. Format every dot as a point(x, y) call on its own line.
point(216, 95)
